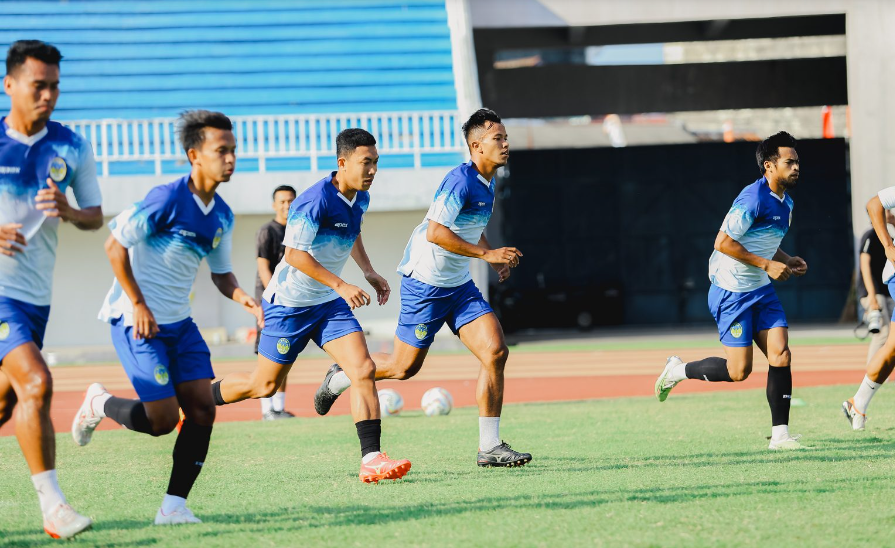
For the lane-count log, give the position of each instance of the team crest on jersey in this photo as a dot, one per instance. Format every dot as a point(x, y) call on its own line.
point(4, 331)
point(161, 374)
point(58, 169)
point(421, 331)
point(283, 345)
point(217, 238)
point(736, 330)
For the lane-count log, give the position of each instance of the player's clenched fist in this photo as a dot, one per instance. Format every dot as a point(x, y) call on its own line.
point(9, 237)
point(778, 271)
point(503, 255)
point(353, 295)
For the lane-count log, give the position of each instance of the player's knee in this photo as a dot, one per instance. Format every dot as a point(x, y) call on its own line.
point(406, 371)
point(498, 357)
point(265, 388)
point(739, 374)
point(203, 414)
point(365, 371)
point(37, 389)
point(783, 359)
point(163, 425)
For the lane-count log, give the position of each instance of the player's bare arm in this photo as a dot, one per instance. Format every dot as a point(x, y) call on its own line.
point(867, 278)
point(53, 202)
point(777, 270)
point(502, 269)
point(229, 287)
point(264, 271)
point(145, 325)
point(380, 284)
point(11, 240)
point(445, 238)
point(878, 218)
point(308, 265)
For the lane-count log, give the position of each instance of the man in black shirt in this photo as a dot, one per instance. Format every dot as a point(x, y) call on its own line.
point(269, 242)
point(872, 292)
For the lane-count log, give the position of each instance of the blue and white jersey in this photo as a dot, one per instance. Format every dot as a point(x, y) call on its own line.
point(168, 234)
point(758, 219)
point(54, 152)
point(463, 203)
point(887, 198)
point(323, 222)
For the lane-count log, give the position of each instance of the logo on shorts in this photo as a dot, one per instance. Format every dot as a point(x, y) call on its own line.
point(736, 330)
point(283, 345)
point(161, 374)
point(58, 169)
point(217, 238)
point(4, 331)
point(421, 331)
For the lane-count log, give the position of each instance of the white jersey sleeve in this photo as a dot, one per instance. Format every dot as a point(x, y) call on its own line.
point(219, 258)
point(887, 197)
point(85, 184)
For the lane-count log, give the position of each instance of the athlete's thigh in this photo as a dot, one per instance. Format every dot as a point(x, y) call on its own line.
point(773, 342)
point(349, 351)
point(406, 357)
point(483, 336)
point(145, 362)
point(739, 359)
point(24, 367)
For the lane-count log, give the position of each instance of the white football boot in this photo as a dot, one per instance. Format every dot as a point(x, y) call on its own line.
point(86, 421)
point(176, 517)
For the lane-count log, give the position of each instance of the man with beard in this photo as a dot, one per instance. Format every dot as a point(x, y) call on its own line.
point(741, 297)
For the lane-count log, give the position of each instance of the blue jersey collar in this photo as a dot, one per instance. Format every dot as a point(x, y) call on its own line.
point(328, 181)
point(478, 175)
point(764, 182)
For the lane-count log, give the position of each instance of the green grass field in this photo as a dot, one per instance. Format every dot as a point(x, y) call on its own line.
point(694, 471)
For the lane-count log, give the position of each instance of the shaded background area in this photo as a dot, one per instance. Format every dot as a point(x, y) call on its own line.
point(614, 236)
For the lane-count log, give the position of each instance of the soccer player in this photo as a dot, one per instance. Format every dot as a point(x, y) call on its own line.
point(269, 242)
point(155, 249)
point(437, 287)
point(872, 292)
point(307, 300)
point(883, 361)
point(39, 160)
point(741, 298)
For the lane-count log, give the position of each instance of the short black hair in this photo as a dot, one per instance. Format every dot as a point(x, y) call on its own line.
point(349, 139)
point(283, 188)
point(769, 149)
point(191, 124)
point(23, 49)
point(482, 118)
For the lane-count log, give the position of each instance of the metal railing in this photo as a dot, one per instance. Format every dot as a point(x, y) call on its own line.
point(276, 136)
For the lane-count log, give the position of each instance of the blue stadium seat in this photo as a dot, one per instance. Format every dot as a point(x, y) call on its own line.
point(142, 59)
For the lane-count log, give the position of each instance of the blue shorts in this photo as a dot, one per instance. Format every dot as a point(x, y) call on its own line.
point(425, 308)
point(177, 354)
point(740, 316)
point(287, 329)
point(21, 323)
point(891, 286)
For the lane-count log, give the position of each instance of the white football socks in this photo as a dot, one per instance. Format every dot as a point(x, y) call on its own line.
point(48, 491)
point(339, 383)
point(865, 394)
point(678, 373)
point(779, 432)
point(278, 402)
point(265, 405)
point(171, 503)
point(370, 456)
point(489, 433)
point(99, 404)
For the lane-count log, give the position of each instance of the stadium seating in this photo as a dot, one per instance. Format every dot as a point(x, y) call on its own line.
point(154, 59)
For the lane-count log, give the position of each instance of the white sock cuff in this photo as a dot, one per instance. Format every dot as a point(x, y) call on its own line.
point(339, 383)
point(870, 383)
point(278, 401)
point(489, 432)
point(171, 503)
point(370, 456)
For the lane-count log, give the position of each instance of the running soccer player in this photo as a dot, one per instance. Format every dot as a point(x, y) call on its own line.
point(155, 249)
point(883, 361)
point(307, 300)
point(741, 298)
point(270, 251)
point(437, 287)
point(39, 160)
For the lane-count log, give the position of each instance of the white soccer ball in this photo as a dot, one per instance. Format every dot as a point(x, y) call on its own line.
point(390, 402)
point(437, 401)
